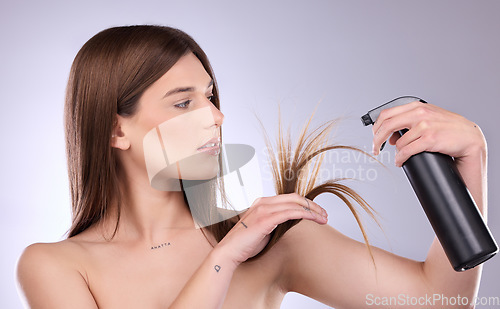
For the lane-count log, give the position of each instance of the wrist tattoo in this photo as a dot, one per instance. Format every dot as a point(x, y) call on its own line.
point(244, 224)
point(217, 268)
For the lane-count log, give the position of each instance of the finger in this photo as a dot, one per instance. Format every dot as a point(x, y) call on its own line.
point(310, 204)
point(292, 198)
point(267, 210)
point(280, 198)
point(417, 146)
point(411, 135)
point(310, 207)
point(390, 126)
point(268, 223)
point(402, 120)
point(296, 213)
point(394, 138)
point(393, 111)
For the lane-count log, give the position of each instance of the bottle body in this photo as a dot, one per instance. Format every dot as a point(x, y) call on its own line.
point(446, 201)
point(450, 209)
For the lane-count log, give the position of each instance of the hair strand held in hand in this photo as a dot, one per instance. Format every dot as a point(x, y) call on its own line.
point(297, 171)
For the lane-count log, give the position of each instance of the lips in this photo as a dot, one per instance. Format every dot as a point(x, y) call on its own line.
point(212, 146)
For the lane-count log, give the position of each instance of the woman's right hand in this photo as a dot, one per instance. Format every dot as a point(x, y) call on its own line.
point(251, 234)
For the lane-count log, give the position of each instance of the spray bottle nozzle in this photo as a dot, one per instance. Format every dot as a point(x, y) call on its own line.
point(366, 120)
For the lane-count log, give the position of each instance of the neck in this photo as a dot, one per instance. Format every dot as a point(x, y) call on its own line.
point(150, 216)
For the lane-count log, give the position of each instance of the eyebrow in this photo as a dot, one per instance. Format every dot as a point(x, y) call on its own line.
point(185, 89)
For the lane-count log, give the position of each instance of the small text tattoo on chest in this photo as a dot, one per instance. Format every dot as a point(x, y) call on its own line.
point(163, 245)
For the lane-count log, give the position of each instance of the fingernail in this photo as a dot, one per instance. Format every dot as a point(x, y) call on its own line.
point(324, 213)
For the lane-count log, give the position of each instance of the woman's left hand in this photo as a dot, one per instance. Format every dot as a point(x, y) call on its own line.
point(431, 128)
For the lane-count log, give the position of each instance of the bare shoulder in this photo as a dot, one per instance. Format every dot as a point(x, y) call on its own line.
point(50, 275)
point(62, 254)
point(48, 251)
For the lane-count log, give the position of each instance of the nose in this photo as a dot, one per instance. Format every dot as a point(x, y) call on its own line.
point(217, 114)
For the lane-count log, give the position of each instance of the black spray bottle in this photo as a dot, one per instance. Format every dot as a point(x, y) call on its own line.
point(446, 201)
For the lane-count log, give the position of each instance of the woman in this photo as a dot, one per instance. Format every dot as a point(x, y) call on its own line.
point(135, 246)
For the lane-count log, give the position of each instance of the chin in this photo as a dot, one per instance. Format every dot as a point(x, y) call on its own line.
point(197, 167)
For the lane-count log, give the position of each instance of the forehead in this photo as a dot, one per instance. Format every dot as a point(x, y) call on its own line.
point(186, 72)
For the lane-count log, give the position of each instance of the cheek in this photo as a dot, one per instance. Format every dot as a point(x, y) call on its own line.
point(183, 134)
point(176, 140)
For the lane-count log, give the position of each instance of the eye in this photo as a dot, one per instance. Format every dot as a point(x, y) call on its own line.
point(183, 104)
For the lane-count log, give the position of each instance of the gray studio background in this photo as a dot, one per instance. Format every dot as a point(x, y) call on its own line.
point(350, 55)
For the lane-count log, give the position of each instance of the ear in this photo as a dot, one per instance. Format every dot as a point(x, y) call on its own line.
point(118, 138)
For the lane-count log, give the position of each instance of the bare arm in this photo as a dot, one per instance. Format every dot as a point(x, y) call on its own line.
point(208, 287)
point(436, 267)
point(334, 269)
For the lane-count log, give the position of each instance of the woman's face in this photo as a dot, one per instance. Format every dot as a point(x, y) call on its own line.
point(174, 119)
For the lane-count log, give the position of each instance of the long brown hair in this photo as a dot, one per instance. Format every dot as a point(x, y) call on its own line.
point(108, 76)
